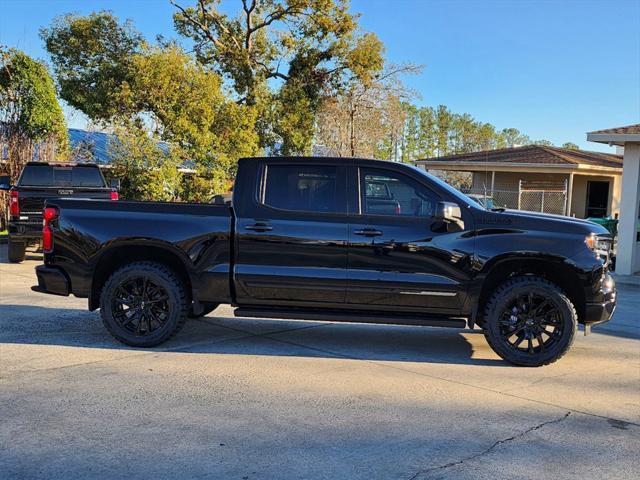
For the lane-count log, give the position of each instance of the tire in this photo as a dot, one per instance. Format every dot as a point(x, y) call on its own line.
point(529, 321)
point(143, 304)
point(16, 251)
point(207, 308)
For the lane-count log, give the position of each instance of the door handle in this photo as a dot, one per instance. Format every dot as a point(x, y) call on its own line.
point(259, 227)
point(368, 232)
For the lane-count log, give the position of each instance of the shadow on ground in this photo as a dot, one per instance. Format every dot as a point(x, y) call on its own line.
point(39, 325)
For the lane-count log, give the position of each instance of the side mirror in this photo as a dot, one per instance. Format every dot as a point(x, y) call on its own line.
point(5, 182)
point(115, 183)
point(449, 213)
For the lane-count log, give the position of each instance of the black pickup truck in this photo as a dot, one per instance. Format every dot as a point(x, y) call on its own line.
point(38, 182)
point(307, 238)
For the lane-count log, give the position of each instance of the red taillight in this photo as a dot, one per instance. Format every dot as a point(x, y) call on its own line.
point(48, 214)
point(14, 206)
point(114, 195)
point(398, 209)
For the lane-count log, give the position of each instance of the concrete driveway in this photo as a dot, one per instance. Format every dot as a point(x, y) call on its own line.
point(262, 399)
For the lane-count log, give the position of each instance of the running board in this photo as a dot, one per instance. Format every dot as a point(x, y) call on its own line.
point(353, 317)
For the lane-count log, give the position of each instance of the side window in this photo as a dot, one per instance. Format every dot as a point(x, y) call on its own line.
point(307, 188)
point(390, 193)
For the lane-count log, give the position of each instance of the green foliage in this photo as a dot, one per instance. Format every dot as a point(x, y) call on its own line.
point(28, 103)
point(543, 143)
point(513, 137)
point(189, 109)
point(570, 146)
point(311, 45)
point(431, 132)
point(92, 59)
point(146, 171)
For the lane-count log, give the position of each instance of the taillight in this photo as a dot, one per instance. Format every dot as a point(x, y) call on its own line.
point(14, 206)
point(48, 214)
point(114, 195)
point(398, 210)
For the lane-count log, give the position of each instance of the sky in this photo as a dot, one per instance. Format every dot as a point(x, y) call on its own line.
point(553, 69)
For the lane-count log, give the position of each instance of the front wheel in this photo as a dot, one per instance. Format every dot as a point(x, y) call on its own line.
point(529, 321)
point(143, 304)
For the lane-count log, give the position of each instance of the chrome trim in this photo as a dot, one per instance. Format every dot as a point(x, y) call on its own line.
point(432, 294)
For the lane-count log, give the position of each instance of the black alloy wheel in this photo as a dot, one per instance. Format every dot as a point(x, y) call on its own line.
point(529, 321)
point(140, 306)
point(143, 304)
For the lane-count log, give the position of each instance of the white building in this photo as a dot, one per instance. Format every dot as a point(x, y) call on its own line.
point(628, 255)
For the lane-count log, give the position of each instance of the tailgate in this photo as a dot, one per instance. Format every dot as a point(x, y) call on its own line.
point(31, 199)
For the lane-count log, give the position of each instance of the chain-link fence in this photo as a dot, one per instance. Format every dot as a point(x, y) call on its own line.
point(530, 196)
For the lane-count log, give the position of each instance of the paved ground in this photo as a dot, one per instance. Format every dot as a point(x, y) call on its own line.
point(247, 399)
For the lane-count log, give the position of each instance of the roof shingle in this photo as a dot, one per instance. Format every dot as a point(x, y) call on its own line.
point(628, 130)
point(535, 155)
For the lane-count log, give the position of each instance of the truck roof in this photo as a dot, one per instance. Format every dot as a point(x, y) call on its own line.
point(62, 164)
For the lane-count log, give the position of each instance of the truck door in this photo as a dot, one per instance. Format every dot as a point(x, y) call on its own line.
point(291, 235)
point(400, 256)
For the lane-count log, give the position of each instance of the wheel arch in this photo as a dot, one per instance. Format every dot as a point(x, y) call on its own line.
point(122, 254)
point(556, 270)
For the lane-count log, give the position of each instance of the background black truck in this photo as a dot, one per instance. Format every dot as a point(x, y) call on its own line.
point(39, 182)
point(334, 239)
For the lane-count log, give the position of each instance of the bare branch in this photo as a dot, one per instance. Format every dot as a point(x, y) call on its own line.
point(203, 27)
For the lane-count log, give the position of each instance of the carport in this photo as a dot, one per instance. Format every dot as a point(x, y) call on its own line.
point(628, 254)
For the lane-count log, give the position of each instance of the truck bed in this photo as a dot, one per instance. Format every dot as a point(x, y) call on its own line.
point(92, 232)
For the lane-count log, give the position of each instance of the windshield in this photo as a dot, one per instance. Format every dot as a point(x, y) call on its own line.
point(445, 186)
point(62, 176)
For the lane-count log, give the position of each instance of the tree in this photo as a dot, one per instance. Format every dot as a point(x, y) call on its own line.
point(92, 58)
point(543, 143)
point(570, 146)
point(367, 118)
point(188, 108)
point(32, 125)
point(147, 171)
point(160, 92)
point(513, 137)
point(283, 57)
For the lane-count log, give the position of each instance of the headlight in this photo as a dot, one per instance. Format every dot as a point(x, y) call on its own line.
point(599, 244)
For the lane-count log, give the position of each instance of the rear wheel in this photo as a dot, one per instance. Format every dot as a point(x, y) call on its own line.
point(143, 304)
point(529, 321)
point(16, 251)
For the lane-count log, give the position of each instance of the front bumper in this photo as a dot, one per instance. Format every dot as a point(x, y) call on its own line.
point(601, 311)
point(51, 280)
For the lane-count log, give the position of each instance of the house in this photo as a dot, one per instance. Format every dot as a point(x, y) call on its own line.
point(541, 178)
point(628, 248)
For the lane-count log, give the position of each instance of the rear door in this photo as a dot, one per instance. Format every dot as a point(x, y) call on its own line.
point(291, 235)
point(400, 256)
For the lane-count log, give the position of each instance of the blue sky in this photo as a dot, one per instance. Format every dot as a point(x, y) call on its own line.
point(554, 69)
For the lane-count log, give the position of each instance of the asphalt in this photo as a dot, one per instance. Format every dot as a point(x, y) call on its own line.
point(248, 399)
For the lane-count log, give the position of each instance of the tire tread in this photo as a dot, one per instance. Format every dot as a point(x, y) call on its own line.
point(152, 267)
point(497, 295)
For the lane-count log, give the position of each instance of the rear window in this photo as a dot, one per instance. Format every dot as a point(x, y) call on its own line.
point(302, 188)
point(50, 176)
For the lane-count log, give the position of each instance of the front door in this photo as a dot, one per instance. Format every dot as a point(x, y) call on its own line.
point(400, 256)
point(292, 249)
point(597, 199)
